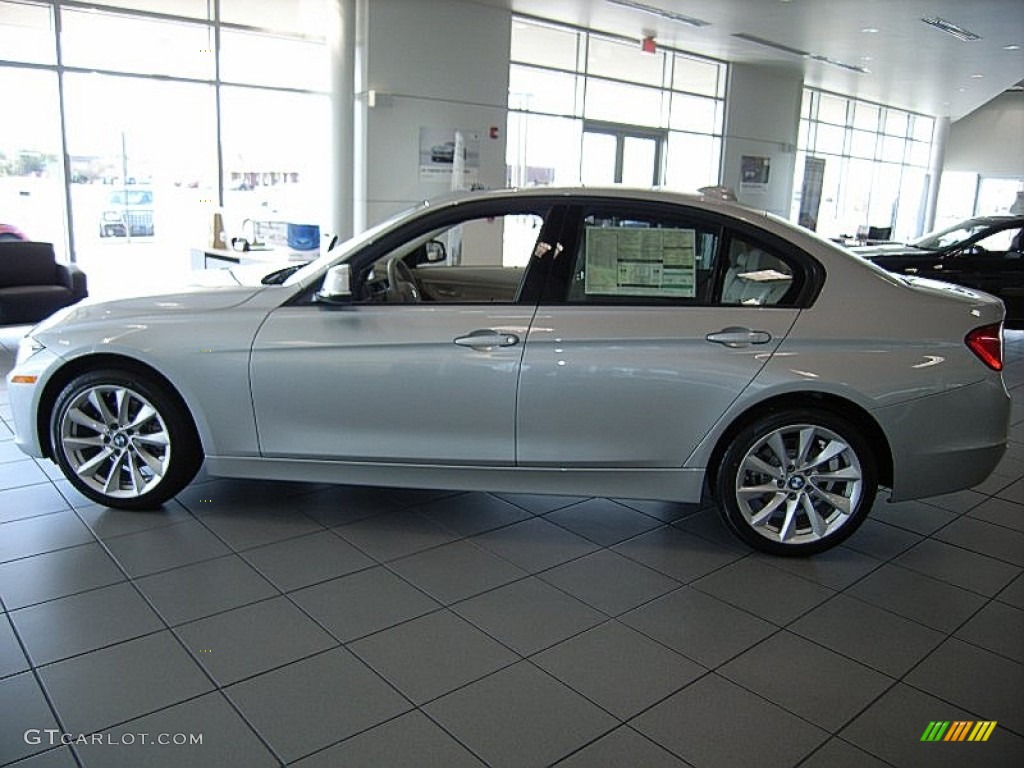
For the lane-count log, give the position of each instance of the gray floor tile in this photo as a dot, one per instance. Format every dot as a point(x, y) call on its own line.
point(666, 511)
point(396, 534)
point(1013, 593)
point(959, 567)
point(622, 747)
point(253, 639)
point(609, 582)
point(716, 723)
point(881, 540)
point(433, 655)
point(306, 560)
point(9, 451)
point(409, 741)
point(520, 717)
point(998, 628)
point(471, 513)
point(169, 546)
point(363, 603)
point(122, 682)
point(203, 589)
point(999, 512)
point(763, 590)
point(979, 681)
point(535, 545)
point(836, 568)
point(528, 615)
point(71, 625)
point(699, 626)
point(32, 501)
point(810, 681)
point(227, 742)
point(836, 753)
point(936, 604)
point(107, 523)
point(915, 516)
point(539, 504)
point(892, 728)
point(958, 502)
point(12, 658)
point(456, 571)
point(343, 504)
point(1013, 492)
point(22, 474)
point(46, 533)
point(24, 716)
point(246, 525)
point(708, 524)
point(56, 574)
point(676, 554)
point(60, 757)
point(71, 495)
point(882, 640)
point(314, 703)
point(618, 668)
point(603, 521)
point(985, 538)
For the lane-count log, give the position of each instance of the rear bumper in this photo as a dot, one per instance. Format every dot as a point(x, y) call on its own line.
point(947, 442)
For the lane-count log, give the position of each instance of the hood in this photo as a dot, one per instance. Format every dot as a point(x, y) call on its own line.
point(191, 300)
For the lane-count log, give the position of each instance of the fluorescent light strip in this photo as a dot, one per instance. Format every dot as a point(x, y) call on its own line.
point(798, 52)
point(662, 13)
point(947, 26)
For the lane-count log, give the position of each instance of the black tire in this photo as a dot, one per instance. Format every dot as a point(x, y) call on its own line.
point(774, 512)
point(115, 451)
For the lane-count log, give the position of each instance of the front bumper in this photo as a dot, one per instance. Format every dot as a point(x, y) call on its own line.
point(25, 398)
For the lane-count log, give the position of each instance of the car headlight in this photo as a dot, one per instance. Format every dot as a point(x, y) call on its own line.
point(27, 347)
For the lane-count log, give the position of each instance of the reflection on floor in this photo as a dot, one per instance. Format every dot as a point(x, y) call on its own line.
point(314, 625)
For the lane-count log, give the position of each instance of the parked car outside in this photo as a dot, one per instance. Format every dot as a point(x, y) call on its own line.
point(129, 211)
point(654, 345)
point(986, 252)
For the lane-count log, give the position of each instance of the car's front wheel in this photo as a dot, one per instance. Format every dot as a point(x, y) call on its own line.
point(123, 440)
point(796, 482)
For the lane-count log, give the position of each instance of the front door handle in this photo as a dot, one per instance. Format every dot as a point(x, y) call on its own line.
point(486, 338)
point(739, 337)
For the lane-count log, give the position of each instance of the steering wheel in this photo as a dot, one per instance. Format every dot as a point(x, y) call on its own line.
point(401, 283)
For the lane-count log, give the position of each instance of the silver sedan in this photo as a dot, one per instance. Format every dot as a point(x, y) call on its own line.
point(600, 342)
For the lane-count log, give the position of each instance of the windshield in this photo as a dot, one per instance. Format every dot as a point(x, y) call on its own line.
point(953, 236)
point(340, 252)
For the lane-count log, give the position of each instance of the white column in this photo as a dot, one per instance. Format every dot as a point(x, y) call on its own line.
point(341, 35)
point(940, 138)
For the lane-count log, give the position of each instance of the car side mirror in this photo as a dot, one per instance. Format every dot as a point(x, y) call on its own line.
point(337, 285)
point(436, 251)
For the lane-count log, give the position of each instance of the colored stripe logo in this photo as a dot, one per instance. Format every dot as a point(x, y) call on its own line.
point(958, 730)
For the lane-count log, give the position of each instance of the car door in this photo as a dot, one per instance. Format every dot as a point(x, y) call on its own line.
point(662, 320)
point(402, 381)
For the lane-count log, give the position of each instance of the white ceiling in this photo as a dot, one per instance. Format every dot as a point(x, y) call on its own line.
point(912, 65)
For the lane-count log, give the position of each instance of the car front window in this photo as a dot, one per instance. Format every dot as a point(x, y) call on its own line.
point(949, 238)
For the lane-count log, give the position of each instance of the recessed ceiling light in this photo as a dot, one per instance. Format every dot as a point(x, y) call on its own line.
point(869, 30)
point(867, 58)
point(962, 89)
point(977, 76)
point(1011, 47)
point(948, 26)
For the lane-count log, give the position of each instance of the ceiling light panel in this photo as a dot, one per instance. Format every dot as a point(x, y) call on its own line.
point(947, 26)
point(661, 13)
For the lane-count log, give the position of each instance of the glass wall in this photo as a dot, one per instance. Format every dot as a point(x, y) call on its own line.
point(875, 166)
point(594, 109)
point(150, 157)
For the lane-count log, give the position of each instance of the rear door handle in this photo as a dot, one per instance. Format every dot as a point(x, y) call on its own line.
point(486, 338)
point(739, 337)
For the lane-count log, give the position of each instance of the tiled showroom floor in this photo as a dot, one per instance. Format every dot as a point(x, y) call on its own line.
point(337, 626)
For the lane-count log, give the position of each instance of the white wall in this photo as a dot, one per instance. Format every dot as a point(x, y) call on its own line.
point(990, 140)
point(441, 65)
point(762, 119)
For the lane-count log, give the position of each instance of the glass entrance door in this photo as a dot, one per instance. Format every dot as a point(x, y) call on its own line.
point(621, 155)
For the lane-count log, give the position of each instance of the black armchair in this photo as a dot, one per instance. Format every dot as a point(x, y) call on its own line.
point(33, 285)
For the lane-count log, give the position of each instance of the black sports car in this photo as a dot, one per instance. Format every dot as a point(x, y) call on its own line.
point(986, 253)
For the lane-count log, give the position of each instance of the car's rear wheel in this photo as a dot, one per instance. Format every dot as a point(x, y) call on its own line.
point(123, 440)
point(796, 482)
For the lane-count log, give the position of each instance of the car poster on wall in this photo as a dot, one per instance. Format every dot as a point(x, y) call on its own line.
point(437, 156)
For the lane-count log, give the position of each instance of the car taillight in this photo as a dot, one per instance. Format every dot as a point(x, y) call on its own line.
point(987, 343)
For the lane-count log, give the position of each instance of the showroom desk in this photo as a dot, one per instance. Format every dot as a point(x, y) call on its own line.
point(222, 258)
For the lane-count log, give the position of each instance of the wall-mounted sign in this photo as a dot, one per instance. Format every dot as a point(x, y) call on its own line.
point(438, 148)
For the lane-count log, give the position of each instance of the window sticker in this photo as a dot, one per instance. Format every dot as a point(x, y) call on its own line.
point(623, 261)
